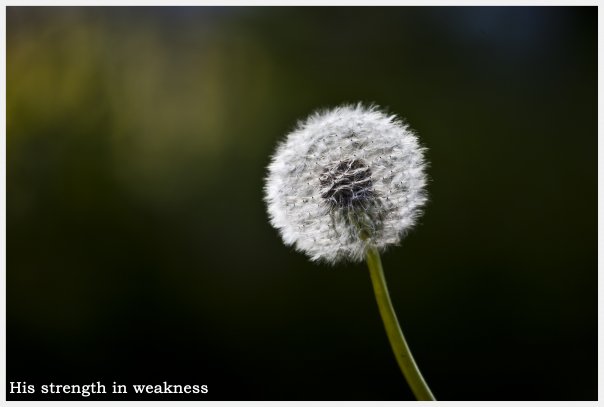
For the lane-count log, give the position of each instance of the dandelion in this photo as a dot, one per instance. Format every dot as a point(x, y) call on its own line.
point(343, 186)
point(343, 170)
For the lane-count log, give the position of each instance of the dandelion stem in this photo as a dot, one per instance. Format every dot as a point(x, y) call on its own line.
point(395, 334)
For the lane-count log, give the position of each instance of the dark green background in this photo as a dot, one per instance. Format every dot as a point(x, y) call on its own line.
point(138, 244)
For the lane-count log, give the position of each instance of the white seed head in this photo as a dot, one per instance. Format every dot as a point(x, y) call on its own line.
point(343, 179)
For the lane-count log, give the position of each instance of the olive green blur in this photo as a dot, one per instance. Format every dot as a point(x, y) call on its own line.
point(139, 248)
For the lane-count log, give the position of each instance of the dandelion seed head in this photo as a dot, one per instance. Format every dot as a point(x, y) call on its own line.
point(343, 179)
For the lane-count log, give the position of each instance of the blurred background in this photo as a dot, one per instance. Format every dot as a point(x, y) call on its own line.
point(138, 246)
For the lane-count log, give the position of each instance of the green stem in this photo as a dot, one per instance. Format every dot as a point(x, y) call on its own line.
point(395, 334)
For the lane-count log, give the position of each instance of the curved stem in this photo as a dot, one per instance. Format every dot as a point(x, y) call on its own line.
point(395, 334)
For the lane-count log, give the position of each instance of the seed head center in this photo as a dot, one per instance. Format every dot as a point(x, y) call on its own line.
point(347, 184)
